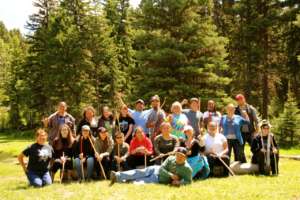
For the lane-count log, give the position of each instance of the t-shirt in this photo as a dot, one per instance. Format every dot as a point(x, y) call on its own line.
point(178, 123)
point(140, 118)
point(164, 146)
point(39, 157)
point(211, 116)
point(124, 123)
point(215, 143)
point(194, 119)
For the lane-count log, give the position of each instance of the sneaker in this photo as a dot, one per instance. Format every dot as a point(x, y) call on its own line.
point(113, 178)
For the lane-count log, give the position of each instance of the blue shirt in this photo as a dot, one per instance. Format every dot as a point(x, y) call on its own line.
point(237, 123)
point(140, 118)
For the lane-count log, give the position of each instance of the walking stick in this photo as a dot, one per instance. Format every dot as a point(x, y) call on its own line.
point(119, 167)
point(229, 169)
point(101, 167)
point(63, 169)
point(145, 160)
point(275, 158)
point(81, 160)
point(158, 157)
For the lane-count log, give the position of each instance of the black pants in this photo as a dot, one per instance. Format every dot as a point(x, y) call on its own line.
point(137, 160)
point(259, 158)
point(123, 166)
point(247, 138)
point(106, 166)
point(215, 162)
point(56, 166)
point(238, 149)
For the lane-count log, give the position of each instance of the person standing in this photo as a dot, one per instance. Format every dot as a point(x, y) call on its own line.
point(211, 114)
point(88, 119)
point(194, 116)
point(250, 129)
point(231, 127)
point(140, 115)
point(57, 119)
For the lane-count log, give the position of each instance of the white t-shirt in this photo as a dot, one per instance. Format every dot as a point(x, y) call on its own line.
point(215, 143)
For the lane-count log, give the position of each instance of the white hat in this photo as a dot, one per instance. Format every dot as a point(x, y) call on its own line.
point(187, 128)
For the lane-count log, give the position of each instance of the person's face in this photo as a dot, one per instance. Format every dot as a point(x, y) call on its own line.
point(166, 129)
point(180, 158)
point(155, 104)
point(62, 107)
point(230, 109)
point(85, 133)
point(64, 132)
point(41, 138)
point(89, 114)
point(188, 133)
point(241, 101)
point(212, 127)
point(210, 106)
point(176, 110)
point(139, 106)
point(139, 134)
point(103, 135)
point(194, 105)
point(119, 139)
point(124, 111)
point(265, 130)
point(106, 112)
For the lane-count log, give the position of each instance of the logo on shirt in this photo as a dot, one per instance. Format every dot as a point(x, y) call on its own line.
point(43, 154)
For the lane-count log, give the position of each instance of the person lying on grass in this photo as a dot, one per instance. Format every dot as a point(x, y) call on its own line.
point(175, 171)
point(40, 154)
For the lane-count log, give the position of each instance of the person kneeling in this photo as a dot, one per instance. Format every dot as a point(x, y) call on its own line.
point(175, 171)
point(40, 155)
point(265, 150)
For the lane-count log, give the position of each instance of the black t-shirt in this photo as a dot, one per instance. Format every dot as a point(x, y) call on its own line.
point(39, 157)
point(124, 123)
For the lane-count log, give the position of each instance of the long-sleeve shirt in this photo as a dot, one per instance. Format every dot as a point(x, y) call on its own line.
point(170, 167)
point(257, 143)
point(145, 142)
point(123, 150)
point(165, 146)
point(83, 146)
point(103, 146)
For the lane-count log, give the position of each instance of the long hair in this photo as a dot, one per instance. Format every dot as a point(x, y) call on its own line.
point(57, 144)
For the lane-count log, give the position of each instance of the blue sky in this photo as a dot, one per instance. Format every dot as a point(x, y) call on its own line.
point(14, 13)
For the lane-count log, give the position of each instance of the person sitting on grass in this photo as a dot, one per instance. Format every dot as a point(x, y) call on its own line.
point(165, 142)
point(265, 150)
point(84, 154)
point(119, 153)
point(140, 147)
point(63, 152)
point(175, 171)
point(216, 148)
point(103, 145)
point(40, 154)
point(196, 158)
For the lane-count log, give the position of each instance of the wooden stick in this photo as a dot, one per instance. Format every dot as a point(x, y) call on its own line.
point(229, 169)
point(119, 167)
point(101, 167)
point(145, 160)
point(158, 157)
point(63, 169)
point(82, 169)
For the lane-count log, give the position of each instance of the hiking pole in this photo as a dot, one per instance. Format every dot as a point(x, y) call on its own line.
point(119, 167)
point(229, 169)
point(101, 167)
point(63, 169)
point(275, 158)
point(81, 160)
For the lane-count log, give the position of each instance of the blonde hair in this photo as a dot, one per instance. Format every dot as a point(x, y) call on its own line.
point(175, 104)
point(40, 131)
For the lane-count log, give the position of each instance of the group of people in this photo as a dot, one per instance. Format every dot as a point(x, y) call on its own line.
point(149, 145)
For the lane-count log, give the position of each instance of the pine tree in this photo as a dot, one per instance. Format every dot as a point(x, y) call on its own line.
point(179, 51)
point(287, 124)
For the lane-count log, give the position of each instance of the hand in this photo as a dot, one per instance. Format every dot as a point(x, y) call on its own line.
point(151, 125)
point(275, 151)
point(100, 157)
point(263, 150)
point(244, 114)
point(63, 159)
point(174, 177)
point(81, 156)
point(118, 159)
point(45, 121)
point(184, 102)
point(162, 155)
point(170, 118)
point(97, 155)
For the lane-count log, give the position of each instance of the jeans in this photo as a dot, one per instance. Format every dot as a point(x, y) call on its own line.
point(38, 179)
point(238, 149)
point(147, 175)
point(90, 167)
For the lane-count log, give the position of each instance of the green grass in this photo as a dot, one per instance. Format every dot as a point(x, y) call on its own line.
point(13, 184)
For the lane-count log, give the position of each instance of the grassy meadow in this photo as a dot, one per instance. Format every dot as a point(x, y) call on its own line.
point(13, 184)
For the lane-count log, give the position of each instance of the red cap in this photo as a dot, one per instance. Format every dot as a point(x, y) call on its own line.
point(239, 97)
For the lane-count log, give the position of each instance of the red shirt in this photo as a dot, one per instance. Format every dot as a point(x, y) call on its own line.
point(145, 142)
